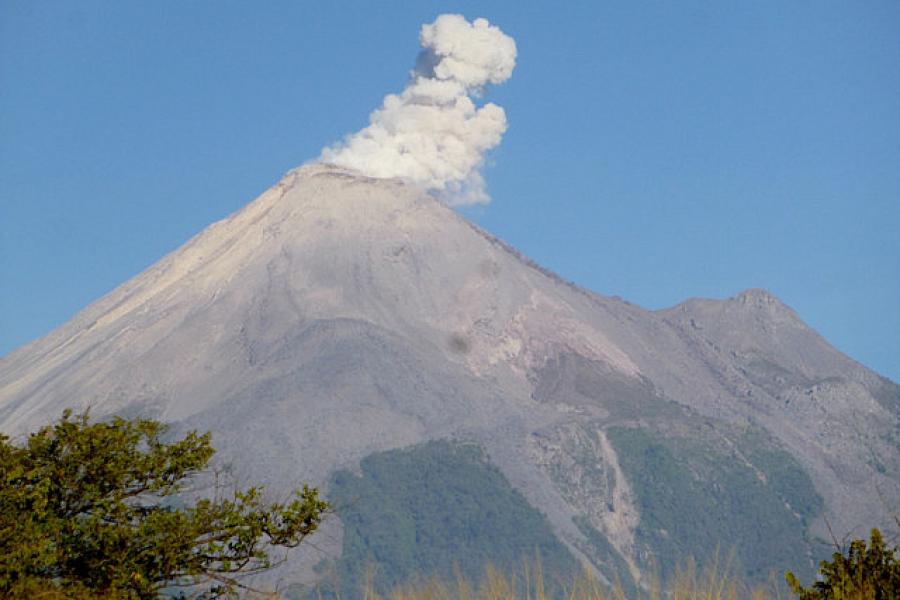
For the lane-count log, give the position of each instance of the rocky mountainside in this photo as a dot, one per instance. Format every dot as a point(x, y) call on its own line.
point(339, 316)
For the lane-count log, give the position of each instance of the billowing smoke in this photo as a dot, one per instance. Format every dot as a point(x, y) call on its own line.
point(433, 134)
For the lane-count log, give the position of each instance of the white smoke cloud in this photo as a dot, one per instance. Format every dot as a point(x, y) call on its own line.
point(433, 133)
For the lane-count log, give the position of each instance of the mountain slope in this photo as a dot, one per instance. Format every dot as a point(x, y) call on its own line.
point(337, 316)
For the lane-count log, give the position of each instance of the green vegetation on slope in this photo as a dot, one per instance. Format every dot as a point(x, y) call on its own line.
point(784, 475)
point(695, 500)
point(434, 508)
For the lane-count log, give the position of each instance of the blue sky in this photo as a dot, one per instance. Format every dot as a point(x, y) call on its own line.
point(656, 151)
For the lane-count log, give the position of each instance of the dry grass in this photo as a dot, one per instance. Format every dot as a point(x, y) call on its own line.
point(716, 582)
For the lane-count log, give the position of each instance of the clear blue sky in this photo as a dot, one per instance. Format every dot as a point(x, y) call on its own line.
point(656, 151)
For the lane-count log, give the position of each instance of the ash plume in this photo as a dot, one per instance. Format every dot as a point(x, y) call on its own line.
point(433, 133)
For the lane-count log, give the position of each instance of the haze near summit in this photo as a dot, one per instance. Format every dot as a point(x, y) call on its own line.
point(433, 133)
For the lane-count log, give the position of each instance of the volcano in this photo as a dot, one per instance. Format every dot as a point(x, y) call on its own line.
point(339, 317)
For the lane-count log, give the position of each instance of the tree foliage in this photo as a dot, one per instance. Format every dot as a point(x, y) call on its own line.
point(866, 573)
point(92, 509)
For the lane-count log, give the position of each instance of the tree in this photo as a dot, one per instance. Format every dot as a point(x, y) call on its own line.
point(92, 509)
point(866, 573)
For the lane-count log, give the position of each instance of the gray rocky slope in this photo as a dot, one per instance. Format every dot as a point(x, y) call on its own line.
point(338, 315)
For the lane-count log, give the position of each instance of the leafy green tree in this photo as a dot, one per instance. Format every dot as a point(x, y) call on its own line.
point(865, 573)
point(90, 509)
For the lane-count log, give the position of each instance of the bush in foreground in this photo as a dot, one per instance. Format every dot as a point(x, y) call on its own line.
point(87, 511)
point(866, 573)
